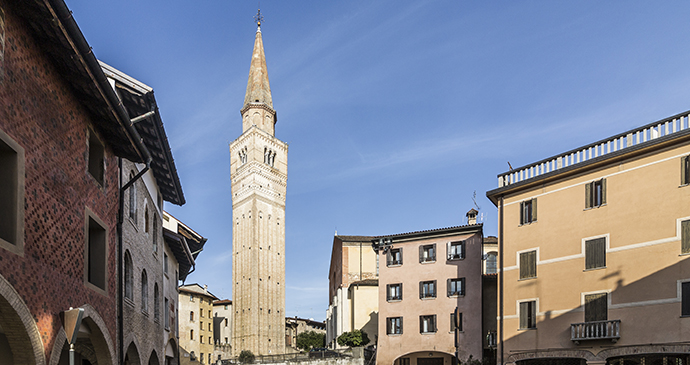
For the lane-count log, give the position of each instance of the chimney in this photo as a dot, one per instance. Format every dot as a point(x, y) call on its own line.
point(206, 288)
point(472, 216)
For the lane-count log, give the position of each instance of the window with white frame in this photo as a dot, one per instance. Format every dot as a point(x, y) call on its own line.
point(528, 264)
point(685, 236)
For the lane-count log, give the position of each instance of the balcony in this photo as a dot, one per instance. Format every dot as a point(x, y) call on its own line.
point(598, 330)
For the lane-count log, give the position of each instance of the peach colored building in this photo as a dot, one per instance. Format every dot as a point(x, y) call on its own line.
point(598, 274)
point(423, 277)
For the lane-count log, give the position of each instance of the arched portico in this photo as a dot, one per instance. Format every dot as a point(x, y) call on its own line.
point(93, 345)
point(20, 339)
point(171, 352)
point(425, 358)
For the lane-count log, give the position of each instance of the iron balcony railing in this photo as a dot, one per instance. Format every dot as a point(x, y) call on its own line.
point(597, 330)
point(491, 339)
point(665, 127)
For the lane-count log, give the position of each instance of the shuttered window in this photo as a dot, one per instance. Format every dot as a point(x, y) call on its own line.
point(427, 253)
point(454, 323)
point(394, 325)
point(596, 307)
point(394, 256)
point(685, 236)
point(528, 315)
point(595, 194)
point(427, 324)
point(685, 299)
point(595, 253)
point(685, 170)
point(528, 265)
point(394, 292)
point(456, 250)
point(528, 211)
point(427, 289)
point(455, 287)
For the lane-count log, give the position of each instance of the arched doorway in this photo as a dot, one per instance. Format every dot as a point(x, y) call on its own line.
point(171, 353)
point(93, 345)
point(132, 355)
point(20, 340)
point(153, 359)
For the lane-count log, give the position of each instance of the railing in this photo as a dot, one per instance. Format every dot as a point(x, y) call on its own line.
point(597, 330)
point(664, 127)
point(296, 357)
point(491, 339)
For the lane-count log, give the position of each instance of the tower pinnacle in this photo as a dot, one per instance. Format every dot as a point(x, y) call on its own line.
point(258, 89)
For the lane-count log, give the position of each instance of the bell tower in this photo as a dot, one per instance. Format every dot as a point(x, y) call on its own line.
point(258, 165)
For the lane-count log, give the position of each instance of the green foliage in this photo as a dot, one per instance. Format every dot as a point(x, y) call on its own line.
point(310, 339)
point(246, 357)
point(355, 338)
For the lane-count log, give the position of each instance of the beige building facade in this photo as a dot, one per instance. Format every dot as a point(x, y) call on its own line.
point(423, 277)
point(594, 245)
point(196, 325)
point(222, 329)
point(258, 164)
point(353, 288)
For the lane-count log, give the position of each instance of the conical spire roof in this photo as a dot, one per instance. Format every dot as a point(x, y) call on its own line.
point(258, 90)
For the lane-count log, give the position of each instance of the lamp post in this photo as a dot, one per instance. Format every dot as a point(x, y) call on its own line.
point(71, 321)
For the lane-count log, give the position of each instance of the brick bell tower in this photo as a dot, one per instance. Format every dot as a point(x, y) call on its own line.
point(258, 166)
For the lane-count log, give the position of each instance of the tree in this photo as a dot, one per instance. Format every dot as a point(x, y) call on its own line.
point(310, 339)
point(246, 357)
point(355, 338)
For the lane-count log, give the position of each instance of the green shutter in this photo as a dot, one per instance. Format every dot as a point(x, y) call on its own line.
point(522, 212)
point(685, 236)
point(523, 314)
point(595, 253)
point(684, 170)
point(588, 195)
point(603, 191)
point(534, 210)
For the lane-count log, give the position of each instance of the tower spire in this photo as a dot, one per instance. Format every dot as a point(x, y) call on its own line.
point(258, 89)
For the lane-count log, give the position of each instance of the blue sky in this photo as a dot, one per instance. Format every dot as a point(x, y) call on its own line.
point(396, 112)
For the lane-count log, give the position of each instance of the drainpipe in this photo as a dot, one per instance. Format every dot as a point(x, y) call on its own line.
point(500, 259)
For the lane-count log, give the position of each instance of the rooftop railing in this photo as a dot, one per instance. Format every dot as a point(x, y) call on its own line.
point(649, 132)
point(596, 330)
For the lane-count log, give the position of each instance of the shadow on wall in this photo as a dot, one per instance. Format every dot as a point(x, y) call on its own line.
point(652, 302)
point(372, 328)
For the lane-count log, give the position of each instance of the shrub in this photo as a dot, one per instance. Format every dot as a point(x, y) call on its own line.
point(246, 357)
point(310, 339)
point(355, 338)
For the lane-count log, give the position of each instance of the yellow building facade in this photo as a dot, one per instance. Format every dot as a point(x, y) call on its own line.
point(593, 249)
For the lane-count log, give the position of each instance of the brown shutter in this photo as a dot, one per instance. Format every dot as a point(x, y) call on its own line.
point(421, 324)
point(421, 289)
point(462, 286)
point(603, 191)
point(433, 289)
point(588, 195)
point(388, 325)
point(524, 308)
point(421, 253)
point(595, 253)
point(684, 170)
point(685, 236)
point(522, 212)
point(685, 299)
point(448, 284)
point(401, 255)
point(434, 252)
point(401, 325)
point(596, 307)
point(534, 210)
point(389, 258)
point(433, 318)
point(462, 249)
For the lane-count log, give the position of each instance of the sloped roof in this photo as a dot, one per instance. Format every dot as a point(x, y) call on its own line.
point(197, 289)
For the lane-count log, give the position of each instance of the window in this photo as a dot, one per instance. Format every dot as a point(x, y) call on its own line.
point(427, 289)
point(209, 327)
point(685, 236)
point(209, 314)
point(226, 340)
point(191, 335)
point(201, 340)
point(155, 233)
point(209, 355)
point(394, 292)
point(595, 253)
point(132, 199)
point(165, 263)
point(427, 253)
point(394, 256)
point(685, 298)
point(201, 311)
point(129, 276)
point(528, 211)
point(454, 323)
point(226, 306)
point(144, 292)
point(156, 303)
point(11, 189)
point(96, 155)
point(394, 325)
point(528, 264)
point(596, 307)
point(491, 263)
point(201, 325)
point(146, 219)
point(191, 298)
point(166, 314)
point(685, 170)
point(456, 250)
point(404, 361)
point(595, 194)
point(456, 287)
point(96, 252)
point(528, 315)
point(191, 316)
point(226, 323)
point(427, 324)
point(201, 354)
